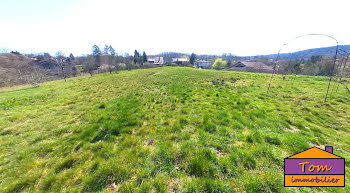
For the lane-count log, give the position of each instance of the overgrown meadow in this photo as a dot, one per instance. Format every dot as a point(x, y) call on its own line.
point(168, 129)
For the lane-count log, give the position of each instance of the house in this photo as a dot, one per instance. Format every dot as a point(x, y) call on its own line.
point(180, 61)
point(202, 64)
point(314, 167)
point(249, 66)
point(155, 60)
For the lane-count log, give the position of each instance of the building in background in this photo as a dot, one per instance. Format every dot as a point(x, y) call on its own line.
point(249, 66)
point(202, 64)
point(180, 61)
point(155, 60)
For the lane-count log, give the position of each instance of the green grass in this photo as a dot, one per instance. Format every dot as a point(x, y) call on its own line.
point(212, 131)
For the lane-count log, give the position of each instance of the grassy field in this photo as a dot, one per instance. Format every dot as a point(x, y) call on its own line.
point(166, 129)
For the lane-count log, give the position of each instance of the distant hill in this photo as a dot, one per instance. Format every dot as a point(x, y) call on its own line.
point(305, 54)
point(19, 69)
point(326, 51)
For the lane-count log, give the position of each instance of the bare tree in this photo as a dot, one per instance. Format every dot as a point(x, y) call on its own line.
point(116, 62)
point(89, 65)
point(60, 60)
point(36, 77)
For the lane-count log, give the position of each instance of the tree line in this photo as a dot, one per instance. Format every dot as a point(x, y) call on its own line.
point(36, 68)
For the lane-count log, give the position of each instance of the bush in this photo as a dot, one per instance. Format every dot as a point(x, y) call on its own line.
point(219, 63)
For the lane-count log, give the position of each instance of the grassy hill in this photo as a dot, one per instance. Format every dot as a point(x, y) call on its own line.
point(166, 129)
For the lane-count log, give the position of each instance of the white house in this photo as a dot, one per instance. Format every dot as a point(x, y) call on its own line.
point(181, 61)
point(155, 60)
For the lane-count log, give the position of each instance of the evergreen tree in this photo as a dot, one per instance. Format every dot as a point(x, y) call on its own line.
point(229, 63)
point(136, 56)
point(96, 52)
point(111, 50)
point(192, 58)
point(105, 50)
point(144, 57)
point(71, 57)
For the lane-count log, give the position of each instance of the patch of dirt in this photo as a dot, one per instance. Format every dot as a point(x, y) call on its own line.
point(284, 153)
point(218, 82)
point(219, 153)
point(90, 158)
point(230, 81)
point(319, 146)
point(291, 129)
point(174, 185)
point(113, 187)
point(238, 144)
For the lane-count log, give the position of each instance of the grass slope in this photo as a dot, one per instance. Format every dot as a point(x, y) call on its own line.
point(212, 131)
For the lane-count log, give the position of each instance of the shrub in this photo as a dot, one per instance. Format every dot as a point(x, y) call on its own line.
point(219, 63)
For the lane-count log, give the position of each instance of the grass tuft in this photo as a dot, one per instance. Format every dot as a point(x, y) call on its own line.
point(166, 129)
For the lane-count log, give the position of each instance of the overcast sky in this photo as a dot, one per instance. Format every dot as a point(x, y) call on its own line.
point(245, 27)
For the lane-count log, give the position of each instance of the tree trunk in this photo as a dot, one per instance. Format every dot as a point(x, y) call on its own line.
point(63, 74)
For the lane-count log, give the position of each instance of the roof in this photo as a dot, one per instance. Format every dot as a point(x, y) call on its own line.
point(202, 61)
point(256, 65)
point(154, 57)
point(314, 152)
point(180, 60)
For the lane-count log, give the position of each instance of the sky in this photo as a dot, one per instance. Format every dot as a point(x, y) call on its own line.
point(240, 27)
